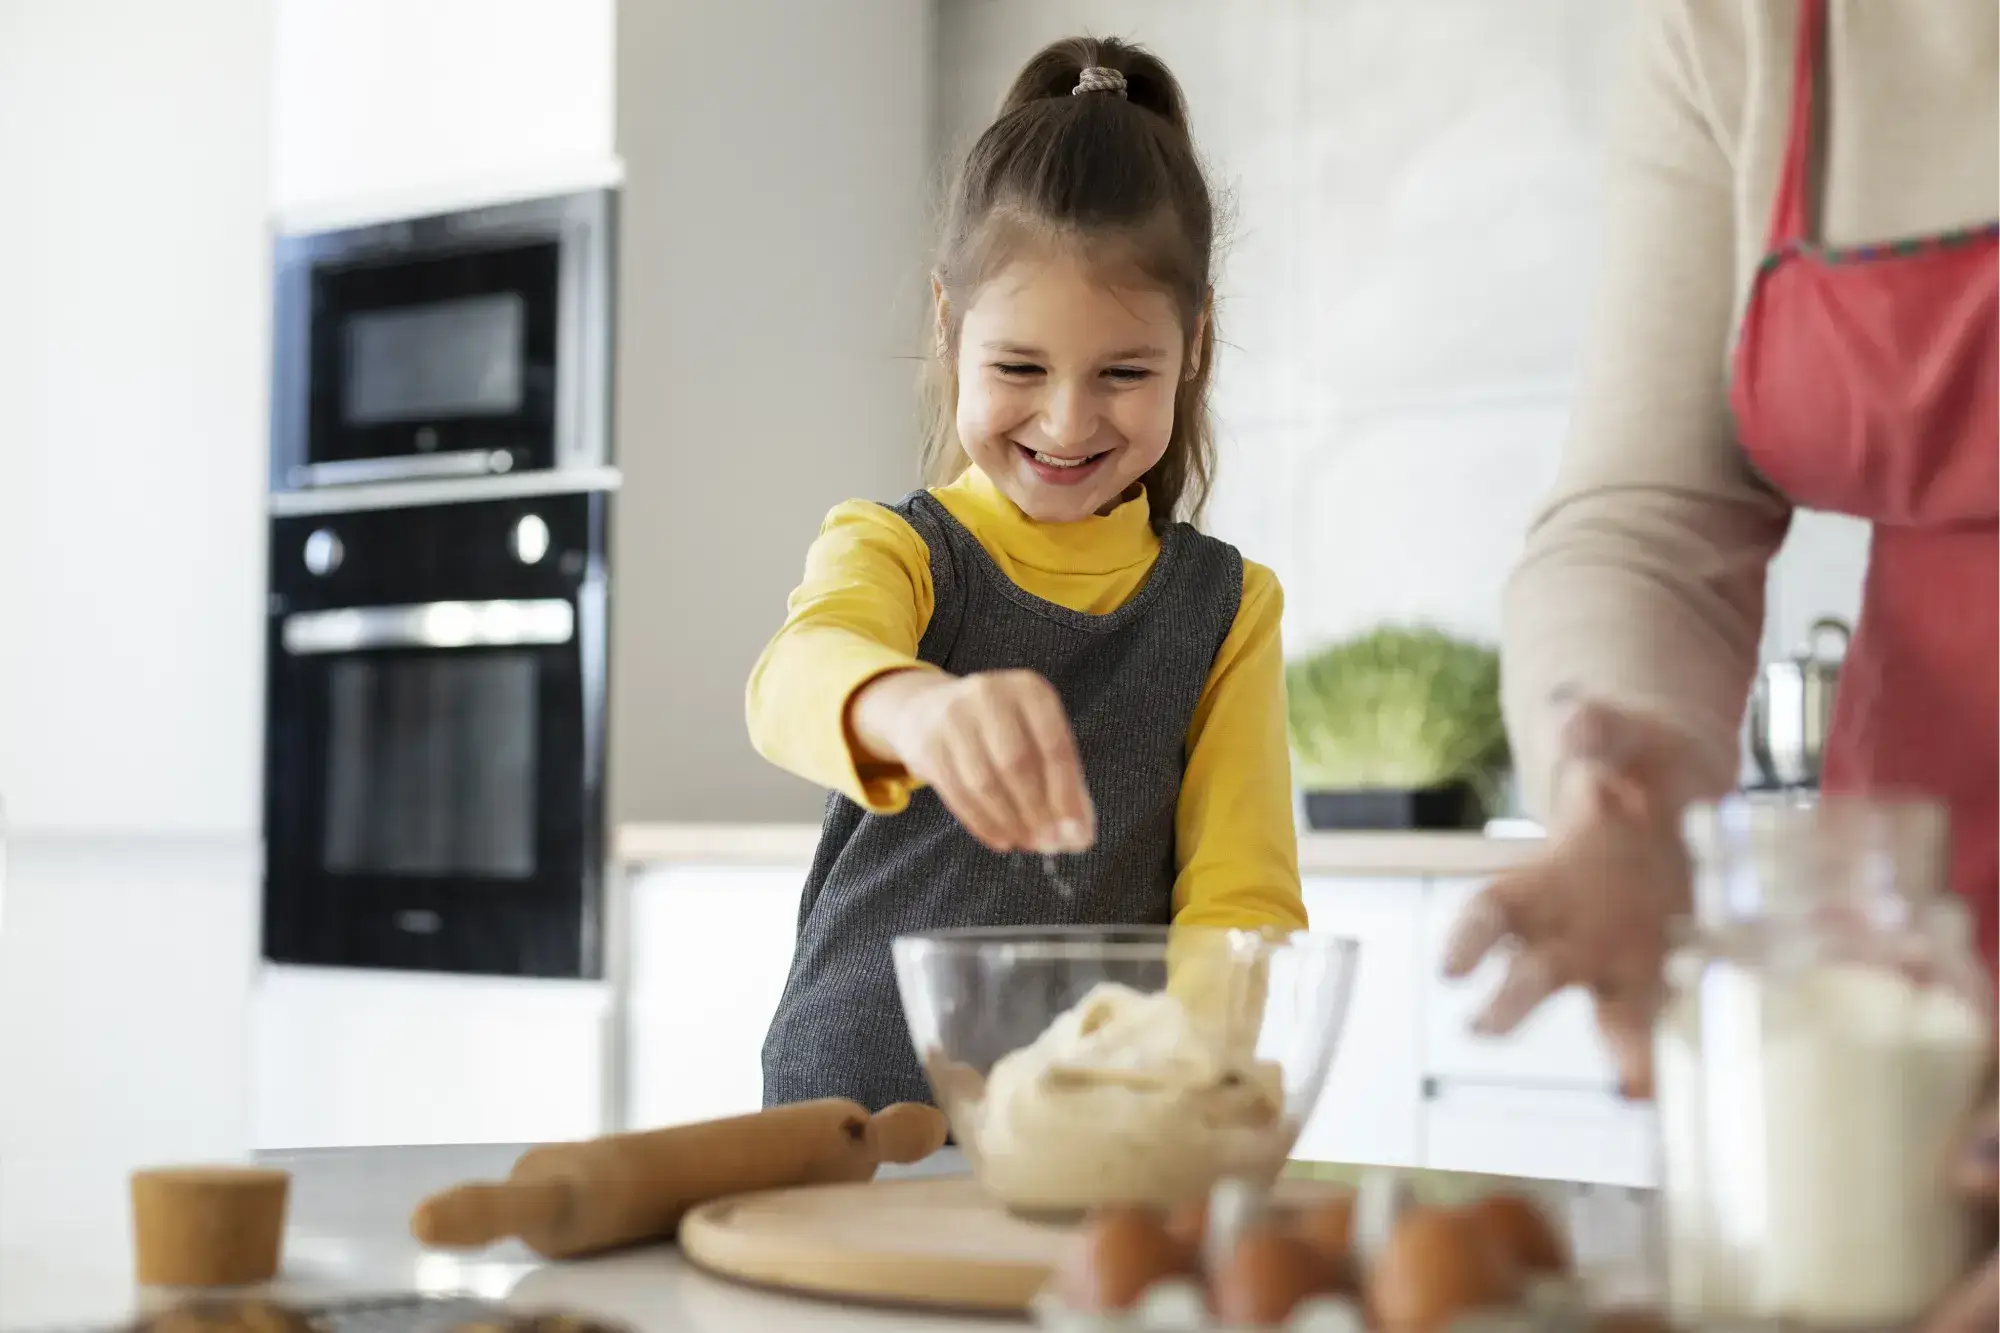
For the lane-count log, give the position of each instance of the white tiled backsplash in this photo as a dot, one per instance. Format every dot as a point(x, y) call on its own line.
point(1413, 191)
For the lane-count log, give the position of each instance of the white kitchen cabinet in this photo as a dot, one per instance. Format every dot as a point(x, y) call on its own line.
point(346, 1058)
point(383, 107)
point(709, 950)
point(1576, 1134)
point(125, 973)
point(1558, 1045)
point(133, 358)
point(1372, 1109)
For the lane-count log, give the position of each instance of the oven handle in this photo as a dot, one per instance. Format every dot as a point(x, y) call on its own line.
point(360, 471)
point(495, 624)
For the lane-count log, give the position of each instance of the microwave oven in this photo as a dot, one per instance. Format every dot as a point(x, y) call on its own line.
point(462, 344)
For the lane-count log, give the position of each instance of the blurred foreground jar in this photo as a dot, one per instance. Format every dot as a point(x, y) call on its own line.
point(1818, 1052)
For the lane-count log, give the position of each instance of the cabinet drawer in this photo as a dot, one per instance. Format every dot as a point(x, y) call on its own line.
point(347, 1058)
point(710, 949)
point(1549, 1133)
point(712, 939)
point(683, 1066)
point(1559, 1043)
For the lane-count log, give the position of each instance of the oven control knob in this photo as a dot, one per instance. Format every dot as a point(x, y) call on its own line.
point(531, 539)
point(323, 552)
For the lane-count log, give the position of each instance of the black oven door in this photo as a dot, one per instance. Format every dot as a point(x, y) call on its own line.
point(464, 344)
point(434, 746)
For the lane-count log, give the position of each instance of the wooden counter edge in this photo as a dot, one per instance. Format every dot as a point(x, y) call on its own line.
point(1416, 855)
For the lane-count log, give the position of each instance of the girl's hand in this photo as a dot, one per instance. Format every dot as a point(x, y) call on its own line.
point(1592, 908)
point(995, 746)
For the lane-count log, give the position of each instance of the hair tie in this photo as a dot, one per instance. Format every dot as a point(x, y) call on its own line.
point(1098, 79)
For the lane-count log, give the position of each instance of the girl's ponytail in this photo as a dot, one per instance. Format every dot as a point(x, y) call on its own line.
point(1057, 71)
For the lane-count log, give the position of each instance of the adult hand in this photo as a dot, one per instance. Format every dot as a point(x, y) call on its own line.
point(1591, 909)
point(996, 746)
point(1974, 1307)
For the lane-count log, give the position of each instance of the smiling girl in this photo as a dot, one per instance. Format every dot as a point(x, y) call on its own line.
point(1039, 654)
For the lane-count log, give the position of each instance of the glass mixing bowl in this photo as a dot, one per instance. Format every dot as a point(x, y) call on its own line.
point(1083, 1067)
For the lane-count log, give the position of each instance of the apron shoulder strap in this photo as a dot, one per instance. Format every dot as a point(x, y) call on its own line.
point(1793, 213)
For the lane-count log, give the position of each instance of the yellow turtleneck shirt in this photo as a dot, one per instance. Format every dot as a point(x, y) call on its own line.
point(865, 602)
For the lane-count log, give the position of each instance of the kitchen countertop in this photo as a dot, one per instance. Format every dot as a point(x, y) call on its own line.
point(65, 1254)
point(1356, 854)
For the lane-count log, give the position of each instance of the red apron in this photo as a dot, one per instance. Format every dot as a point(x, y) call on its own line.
point(1864, 384)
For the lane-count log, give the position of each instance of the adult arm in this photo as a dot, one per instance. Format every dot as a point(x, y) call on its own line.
point(1642, 582)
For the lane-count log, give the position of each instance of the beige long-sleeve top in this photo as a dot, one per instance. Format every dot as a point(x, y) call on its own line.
point(1642, 582)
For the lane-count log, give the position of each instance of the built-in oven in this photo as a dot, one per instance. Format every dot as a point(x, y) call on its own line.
point(462, 344)
point(434, 742)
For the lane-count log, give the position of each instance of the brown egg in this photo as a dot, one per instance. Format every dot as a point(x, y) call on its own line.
point(1187, 1225)
point(1438, 1264)
point(1522, 1231)
point(1328, 1228)
point(1121, 1253)
point(1504, 1270)
point(1269, 1272)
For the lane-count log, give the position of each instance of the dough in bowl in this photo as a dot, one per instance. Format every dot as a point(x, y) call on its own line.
point(1123, 1099)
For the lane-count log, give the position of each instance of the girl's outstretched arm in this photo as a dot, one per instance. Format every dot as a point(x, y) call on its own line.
point(858, 615)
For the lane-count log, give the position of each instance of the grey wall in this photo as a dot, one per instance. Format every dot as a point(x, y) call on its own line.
point(775, 218)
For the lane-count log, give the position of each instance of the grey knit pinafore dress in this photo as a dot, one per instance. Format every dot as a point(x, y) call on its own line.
point(1129, 680)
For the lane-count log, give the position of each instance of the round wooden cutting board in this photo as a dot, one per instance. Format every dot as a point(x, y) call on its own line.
point(937, 1241)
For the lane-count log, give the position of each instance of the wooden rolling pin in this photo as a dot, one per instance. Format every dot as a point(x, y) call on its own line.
point(569, 1199)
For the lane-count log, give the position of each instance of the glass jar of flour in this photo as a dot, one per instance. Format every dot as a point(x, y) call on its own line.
point(1819, 1051)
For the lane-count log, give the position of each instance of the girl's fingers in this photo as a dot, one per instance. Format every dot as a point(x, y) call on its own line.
point(1013, 764)
point(975, 797)
point(1074, 826)
point(974, 819)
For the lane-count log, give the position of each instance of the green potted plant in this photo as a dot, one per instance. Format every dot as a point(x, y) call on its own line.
point(1398, 728)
